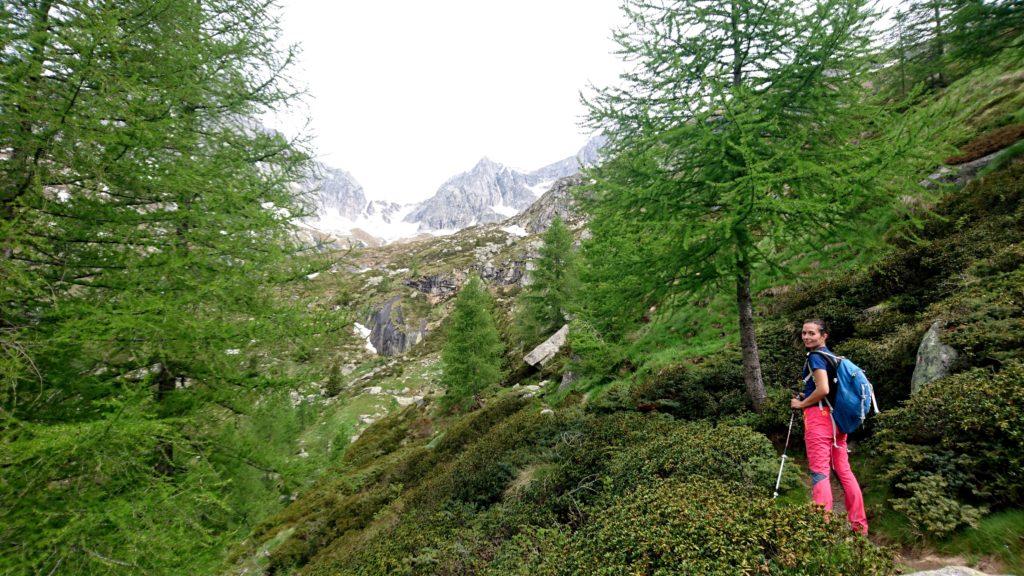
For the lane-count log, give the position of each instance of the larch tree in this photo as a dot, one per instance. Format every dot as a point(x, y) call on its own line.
point(472, 353)
point(146, 237)
point(743, 129)
point(544, 302)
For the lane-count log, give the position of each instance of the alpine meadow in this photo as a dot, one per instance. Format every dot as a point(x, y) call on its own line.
point(768, 320)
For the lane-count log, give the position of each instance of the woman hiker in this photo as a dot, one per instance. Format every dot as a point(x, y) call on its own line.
point(825, 444)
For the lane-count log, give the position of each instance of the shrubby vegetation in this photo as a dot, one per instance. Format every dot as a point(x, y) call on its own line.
point(150, 333)
point(967, 429)
point(716, 527)
point(526, 485)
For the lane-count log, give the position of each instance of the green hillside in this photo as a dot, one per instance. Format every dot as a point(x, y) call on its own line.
point(665, 467)
point(186, 387)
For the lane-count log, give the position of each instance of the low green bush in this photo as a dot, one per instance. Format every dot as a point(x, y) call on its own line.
point(970, 428)
point(931, 510)
point(472, 426)
point(329, 523)
point(714, 527)
point(688, 449)
point(709, 390)
point(381, 437)
point(531, 552)
point(987, 318)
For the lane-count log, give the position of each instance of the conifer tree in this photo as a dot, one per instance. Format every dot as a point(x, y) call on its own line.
point(925, 30)
point(740, 130)
point(544, 302)
point(145, 233)
point(471, 358)
point(979, 29)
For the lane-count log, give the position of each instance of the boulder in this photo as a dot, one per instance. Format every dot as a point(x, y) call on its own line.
point(960, 174)
point(949, 571)
point(934, 358)
point(546, 351)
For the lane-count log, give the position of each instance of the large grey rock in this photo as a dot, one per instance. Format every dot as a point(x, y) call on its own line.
point(546, 351)
point(934, 358)
point(337, 189)
point(478, 196)
point(960, 174)
point(388, 333)
point(949, 571)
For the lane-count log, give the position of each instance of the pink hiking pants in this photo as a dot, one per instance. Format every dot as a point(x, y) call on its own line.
point(821, 452)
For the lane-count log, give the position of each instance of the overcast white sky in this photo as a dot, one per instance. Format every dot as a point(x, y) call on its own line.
point(404, 94)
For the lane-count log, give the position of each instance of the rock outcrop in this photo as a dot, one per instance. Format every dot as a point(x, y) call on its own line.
point(546, 351)
point(934, 358)
point(960, 174)
point(491, 192)
point(437, 287)
point(506, 274)
point(336, 190)
point(387, 330)
point(558, 200)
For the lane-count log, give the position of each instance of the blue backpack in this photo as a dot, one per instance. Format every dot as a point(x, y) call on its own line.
point(854, 395)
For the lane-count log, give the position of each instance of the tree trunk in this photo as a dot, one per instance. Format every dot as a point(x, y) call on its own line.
point(26, 149)
point(165, 384)
point(748, 340)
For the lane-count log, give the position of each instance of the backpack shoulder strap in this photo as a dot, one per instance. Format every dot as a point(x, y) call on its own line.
point(831, 359)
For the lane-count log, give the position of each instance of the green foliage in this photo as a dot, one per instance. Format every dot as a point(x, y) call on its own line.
point(937, 41)
point(543, 303)
point(531, 552)
point(471, 357)
point(708, 390)
point(78, 500)
point(996, 535)
point(594, 358)
point(715, 527)
point(728, 452)
point(930, 509)
point(981, 29)
point(723, 160)
point(968, 428)
point(146, 247)
point(1009, 154)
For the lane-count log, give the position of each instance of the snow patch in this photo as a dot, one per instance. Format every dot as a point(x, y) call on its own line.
point(332, 221)
point(506, 211)
point(364, 332)
point(541, 187)
point(515, 230)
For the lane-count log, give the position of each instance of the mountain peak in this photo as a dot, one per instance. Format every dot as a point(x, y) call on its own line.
point(485, 163)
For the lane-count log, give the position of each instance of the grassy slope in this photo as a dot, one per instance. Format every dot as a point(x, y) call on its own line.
point(379, 474)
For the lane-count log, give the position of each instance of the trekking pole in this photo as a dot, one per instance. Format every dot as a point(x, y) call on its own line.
point(782, 464)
